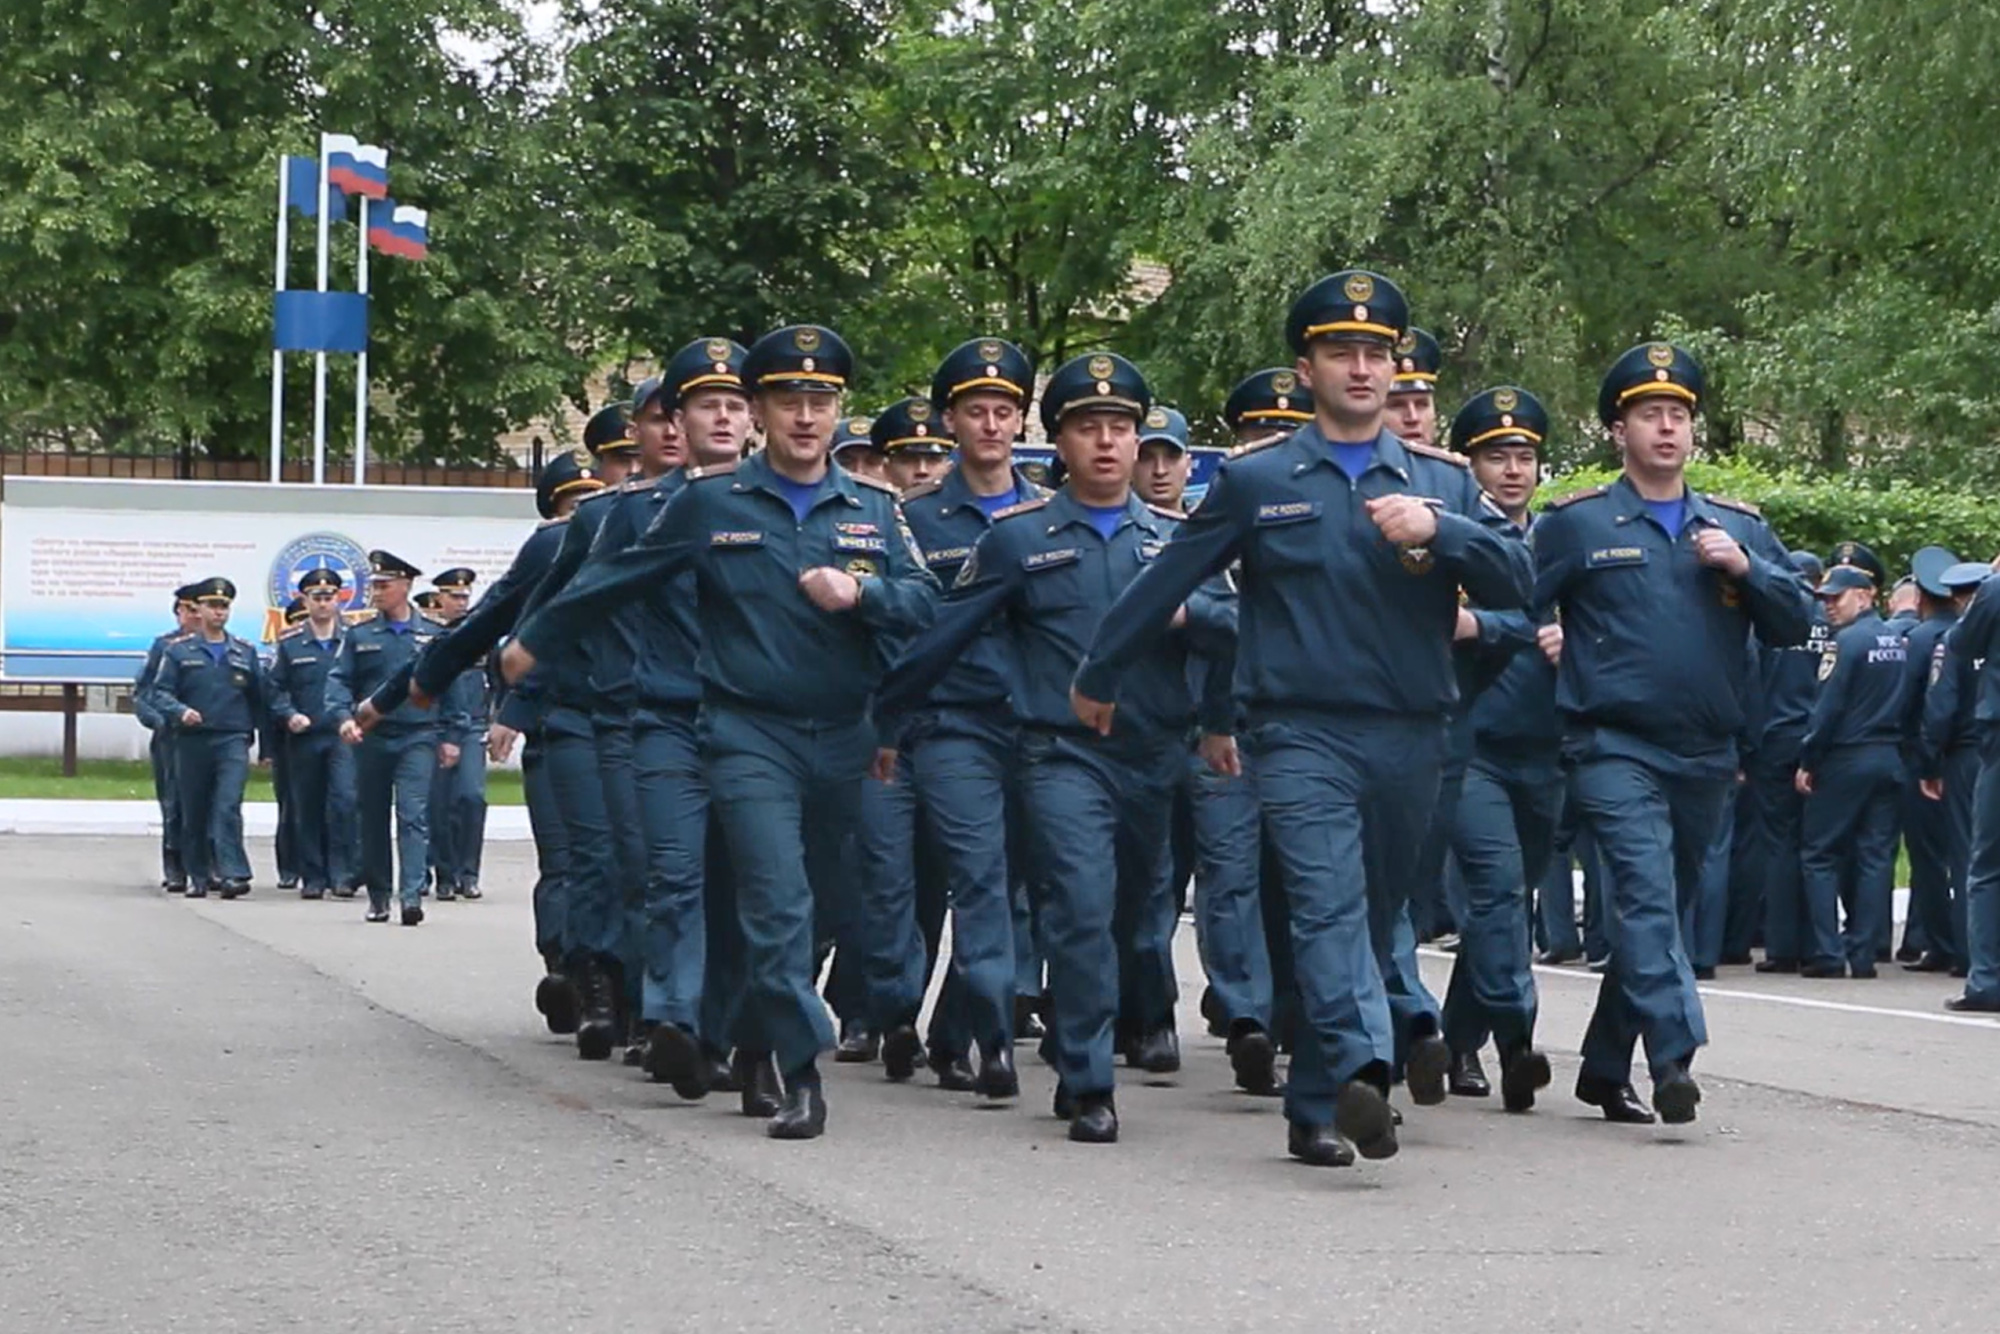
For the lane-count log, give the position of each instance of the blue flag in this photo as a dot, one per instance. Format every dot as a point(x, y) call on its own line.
point(302, 188)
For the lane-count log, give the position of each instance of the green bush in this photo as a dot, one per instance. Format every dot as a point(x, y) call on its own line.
point(1815, 513)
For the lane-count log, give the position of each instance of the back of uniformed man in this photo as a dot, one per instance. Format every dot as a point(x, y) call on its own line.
point(1658, 588)
point(160, 749)
point(1973, 644)
point(1948, 752)
point(1927, 823)
point(1342, 525)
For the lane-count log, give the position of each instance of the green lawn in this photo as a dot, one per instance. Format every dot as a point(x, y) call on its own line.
point(121, 780)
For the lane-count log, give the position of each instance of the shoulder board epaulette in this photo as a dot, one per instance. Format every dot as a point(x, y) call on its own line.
point(182, 638)
point(875, 482)
point(1025, 507)
point(1244, 451)
point(1433, 452)
point(294, 631)
point(601, 493)
point(711, 470)
point(364, 615)
point(1574, 496)
point(1165, 513)
point(550, 523)
point(631, 484)
point(918, 492)
point(1740, 506)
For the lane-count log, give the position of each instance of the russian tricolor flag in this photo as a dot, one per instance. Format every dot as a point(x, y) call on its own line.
point(358, 168)
point(400, 230)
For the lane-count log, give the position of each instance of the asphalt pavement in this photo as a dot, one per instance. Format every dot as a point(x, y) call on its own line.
point(268, 1115)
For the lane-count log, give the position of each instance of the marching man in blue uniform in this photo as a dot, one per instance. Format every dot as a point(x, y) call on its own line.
point(804, 575)
point(166, 789)
point(1354, 545)
point(319, 768)
point(395, 759)
point(458, 794)
point(211, 686)
point(1658, 588)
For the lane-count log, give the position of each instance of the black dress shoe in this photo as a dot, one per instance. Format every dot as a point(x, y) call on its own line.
point(997, 1077)
point(900, 1050)
point(1704, 974)
point(1778, 966)
point(1211, 1013)
point(1096, 1120)
point(1864, 972)
point(343, 891)
point(235, 889)
point(1736, 960)
point(197, 891)
point(757, 1083)
point(559, 1004)
point(445, 894)
point(858, 1046)
point(954, 1073)
point(1362, 1114)
point(312, 893)
point(1063, 1107)
point(1552, 957)
point(288, 882)
point(413, 915)
point(175, 886)
point(802, 1115)
point(1254, 1059)
point(1425, 1070)
point(672, 1056)
point(374, 915)
point(1028, 1018)
point(1973, 1005)
point(1523, 1072)
point(1908, 953)
point(1158, 1052)
point(1619, 1102)
point(1823, 970)
point(1675, 1097)
point(1930, 961)
point(1468, 1076)
point(1317, 1145)
point(598, 1031)
point(470, 890)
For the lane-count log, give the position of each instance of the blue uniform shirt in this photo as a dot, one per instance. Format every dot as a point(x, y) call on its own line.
point(223, 682)
point(300, 666)
point(1864, 695)
point(648, 656)
point(373, 653)
point(1333, 617)
point(1045, 579)
point(1511, 686)
point(142, 686)
point(1656, 644)
point(947, 521)
point(764, 645)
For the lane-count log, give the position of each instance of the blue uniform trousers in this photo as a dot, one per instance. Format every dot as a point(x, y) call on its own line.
point(444, 841)
point(1330, 786)
point(1744, 917)
point(393, 769)
point(210, 769)
point(787, 793)
point(1982, 908)
point(1705, 918)
point(722, 966)
point(672, 797)
point(1097, 816)
point(319, 769)
point(1847, 853)
point(963, 772)
point(1555, 894)
point(468, 811)
point(594, 907)
point(1653, 828)
point(620, 783)
point(1780, 819)
point(1927, 838)
point(893, 974)
point(551, 893)
point(286, 849)
point(1228, 892)
point(1961, 785)
point(1436, 896)
point(1502, 834)
point(166, 790)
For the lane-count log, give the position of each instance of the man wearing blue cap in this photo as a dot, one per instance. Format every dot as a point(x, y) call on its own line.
point(1969, 654)
point(1658, 589)
point(1928, 944)
point(211, 686)
point(166, 788)
point(1948, 752)
point(1851, 772)
point(1787, 685)
point(803, 575)
point(1340, 525)
point(1043, 578)
point(1413, 413)
point(321, 769)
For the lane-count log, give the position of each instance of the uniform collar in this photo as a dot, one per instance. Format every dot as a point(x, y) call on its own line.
point(1629, 505)
point(1313, 449)
point(756, 473)
point(953, 493)
point(1065, 509)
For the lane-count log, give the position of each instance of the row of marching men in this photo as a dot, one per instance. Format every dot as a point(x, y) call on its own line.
point(208, 696)
point(771, 707)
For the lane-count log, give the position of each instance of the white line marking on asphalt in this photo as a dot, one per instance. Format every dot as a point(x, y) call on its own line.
point(1992, 1024)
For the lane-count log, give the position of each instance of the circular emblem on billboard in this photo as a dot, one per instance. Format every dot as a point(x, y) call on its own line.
point(320, 551)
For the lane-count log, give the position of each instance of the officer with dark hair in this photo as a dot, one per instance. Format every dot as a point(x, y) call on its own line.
point(1341, 523)
point(211, 685)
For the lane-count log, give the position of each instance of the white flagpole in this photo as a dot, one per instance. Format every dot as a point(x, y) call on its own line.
point(277, 357)
point(319, 358)
point(361, 362)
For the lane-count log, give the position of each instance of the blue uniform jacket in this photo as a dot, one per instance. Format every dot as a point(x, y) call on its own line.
point(647, 654)
point(142, 707)
point(1951, 704)
point(300, 666)
point(229, 695)
point(1926, 654)
point(1043, 581)
point(948, 523)
point(491, 619)
point(1864, 696)
point(1655, 644)
point(1788, 683)
point(372, 654)
point(1333, 617)
point(1972, 644)
point(1512, 686)
point(764, 645)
